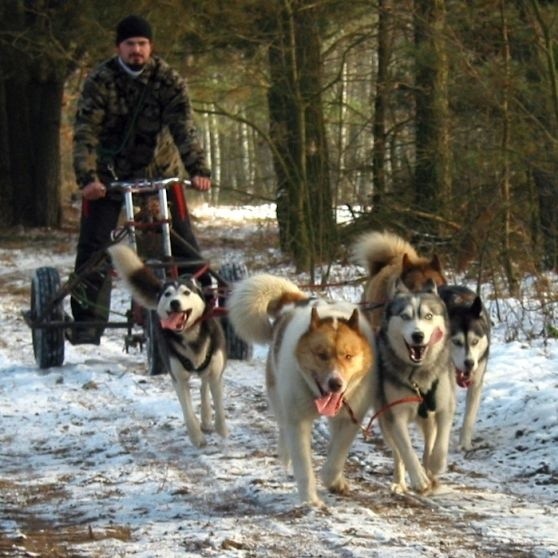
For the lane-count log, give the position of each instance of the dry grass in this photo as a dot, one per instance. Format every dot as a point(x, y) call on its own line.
point(41, 536)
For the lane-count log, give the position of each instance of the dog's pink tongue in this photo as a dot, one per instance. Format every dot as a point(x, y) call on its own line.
point(436, 336)
point(329, 405)
point(174, 321)
point(462, 379)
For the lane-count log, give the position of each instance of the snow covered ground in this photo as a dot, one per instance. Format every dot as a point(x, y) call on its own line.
point(95, 460)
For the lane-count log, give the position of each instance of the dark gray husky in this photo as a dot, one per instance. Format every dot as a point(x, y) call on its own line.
point(415, 383)
point(470, 344)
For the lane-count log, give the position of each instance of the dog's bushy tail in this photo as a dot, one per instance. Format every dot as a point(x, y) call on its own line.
point(375, 250)
point(142, 283)
point(255, 302)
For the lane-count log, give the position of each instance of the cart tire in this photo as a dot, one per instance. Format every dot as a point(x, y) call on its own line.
point(48, 344)
point(237, 349)
point(153, 344)
point(154, 339)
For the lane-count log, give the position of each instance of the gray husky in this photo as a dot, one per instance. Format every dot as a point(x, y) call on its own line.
point(415, 383)
point(470, 339)
point(195, 343)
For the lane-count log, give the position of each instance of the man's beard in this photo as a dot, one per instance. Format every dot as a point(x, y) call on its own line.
point(135, 67)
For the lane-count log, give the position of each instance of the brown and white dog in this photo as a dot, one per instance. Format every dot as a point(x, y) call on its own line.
point(389, 257)
point(320, 363)
point(195, 344)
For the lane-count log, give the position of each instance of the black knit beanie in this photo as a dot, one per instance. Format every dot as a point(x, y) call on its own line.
point(133, 26)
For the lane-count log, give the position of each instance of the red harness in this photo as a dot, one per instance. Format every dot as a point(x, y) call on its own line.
point(366, 432)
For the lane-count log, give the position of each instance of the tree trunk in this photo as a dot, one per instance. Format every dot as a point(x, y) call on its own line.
point(380, 101)
point(543, 170)
point(6, 205)
point(304, 206)
point(46, 97)
point(433, 156)
point(505, 183)
point(31, 95)
point(33, 132)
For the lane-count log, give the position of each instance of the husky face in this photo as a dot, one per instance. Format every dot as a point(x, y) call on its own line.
point(180, 305)
point(416, 325)
point(331, 354)
point(470, 341)
point(469, 348)
point(470, 333)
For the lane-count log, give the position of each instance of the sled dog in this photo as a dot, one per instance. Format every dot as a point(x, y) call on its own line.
point(415, 383)
point(470, 344)
point(195, 344)
point(320, 362)
point(388, 257)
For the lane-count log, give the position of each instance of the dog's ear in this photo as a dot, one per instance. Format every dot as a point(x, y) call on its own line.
point(405, 263)
point(398, 287)
point(195, 285)
point(188, 281)
point(314, 318)
point(476, 307)
point(430, 286)
point(353, 321)
point(436, 264)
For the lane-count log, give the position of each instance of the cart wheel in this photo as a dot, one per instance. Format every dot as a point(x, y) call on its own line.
point(236, 347)
point(48, 344)
point(154, 344)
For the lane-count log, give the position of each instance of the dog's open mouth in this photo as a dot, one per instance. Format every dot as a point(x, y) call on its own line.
point(328, 404)
point(417, 352)
point(176, 321)
point(463, 379)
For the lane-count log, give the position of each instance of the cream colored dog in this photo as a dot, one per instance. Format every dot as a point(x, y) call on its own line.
point(320, 363)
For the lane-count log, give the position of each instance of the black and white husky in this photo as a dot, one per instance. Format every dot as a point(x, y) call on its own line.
point(470, 338)
point(415, 383)
point(195, 344)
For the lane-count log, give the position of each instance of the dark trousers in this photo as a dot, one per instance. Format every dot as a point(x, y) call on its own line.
point(90, 300)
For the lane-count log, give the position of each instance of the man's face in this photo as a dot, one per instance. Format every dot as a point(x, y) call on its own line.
point(135, 51)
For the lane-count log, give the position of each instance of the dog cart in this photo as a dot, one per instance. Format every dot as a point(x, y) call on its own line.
point(51, 327)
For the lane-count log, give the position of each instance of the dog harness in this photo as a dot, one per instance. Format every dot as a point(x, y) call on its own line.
point(185, 361)
point(428, 403)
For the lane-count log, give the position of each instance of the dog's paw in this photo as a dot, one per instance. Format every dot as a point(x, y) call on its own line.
point(434, 484)
point(222, 430)
point(424, 489)
point(338, 486)
point(207, 428)
point(398, 488)
point(421, 483)
point(469, 449)
point(465, 444)
point(198, 439)
point(313, 502)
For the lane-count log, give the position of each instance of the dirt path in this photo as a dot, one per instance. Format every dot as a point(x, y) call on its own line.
point(99, 466)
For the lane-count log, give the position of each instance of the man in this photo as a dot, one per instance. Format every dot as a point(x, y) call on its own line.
point(133, 120)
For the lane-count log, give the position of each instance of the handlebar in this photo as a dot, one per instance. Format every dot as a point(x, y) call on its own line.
point(145, 184)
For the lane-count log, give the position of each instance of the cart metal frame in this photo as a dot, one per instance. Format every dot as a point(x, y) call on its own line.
point(49, 323)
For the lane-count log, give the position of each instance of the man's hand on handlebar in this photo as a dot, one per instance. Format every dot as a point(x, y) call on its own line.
point(94, 190)
point(201, 183)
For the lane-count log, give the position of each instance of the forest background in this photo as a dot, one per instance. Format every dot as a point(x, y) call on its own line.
point(436, 119)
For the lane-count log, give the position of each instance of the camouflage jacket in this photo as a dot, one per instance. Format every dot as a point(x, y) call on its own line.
point(137, 126)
